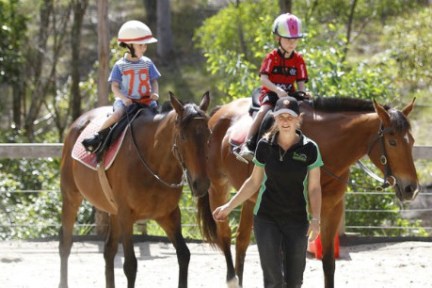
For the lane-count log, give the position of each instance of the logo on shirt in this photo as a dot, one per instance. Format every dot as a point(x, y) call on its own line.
point(299, 157)
point(292, 71)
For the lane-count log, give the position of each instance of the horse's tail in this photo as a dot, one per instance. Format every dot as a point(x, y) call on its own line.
point(205, 220)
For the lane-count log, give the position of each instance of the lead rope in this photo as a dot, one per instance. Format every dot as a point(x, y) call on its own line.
point(183, 182)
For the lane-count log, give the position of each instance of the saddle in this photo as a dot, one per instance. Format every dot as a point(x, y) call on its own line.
point(110, 144)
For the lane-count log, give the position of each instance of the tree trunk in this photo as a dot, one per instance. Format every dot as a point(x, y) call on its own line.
point(17, 96)
point(79, 8)
point(164, 32)
point(103, 50)
point(242, 40)
point(45, 12)
point(285, 6)
point(349, 28)
point(150, 7)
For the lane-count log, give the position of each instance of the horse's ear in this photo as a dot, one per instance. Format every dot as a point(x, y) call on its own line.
point(407, 110)
point(382, 113)
point(176, 103)
point(205, 101)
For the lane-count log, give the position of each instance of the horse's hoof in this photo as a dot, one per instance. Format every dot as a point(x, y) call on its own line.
point(233, 283)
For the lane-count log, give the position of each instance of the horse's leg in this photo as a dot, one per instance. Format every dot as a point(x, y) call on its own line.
point(243, 237)
point(110, 251)
point(71, 201)
point(130, 263)
point(218, 192)
point(329, 227)
point(172, 227)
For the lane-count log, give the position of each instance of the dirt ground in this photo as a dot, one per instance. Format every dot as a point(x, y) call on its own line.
point(36, 264)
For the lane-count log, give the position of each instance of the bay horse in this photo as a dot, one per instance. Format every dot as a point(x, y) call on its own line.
point(346, 129)
point(146, 180)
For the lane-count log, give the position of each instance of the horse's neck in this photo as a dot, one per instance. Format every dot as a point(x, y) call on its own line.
point(156, 133)
point(346, 139)
point(164, 136)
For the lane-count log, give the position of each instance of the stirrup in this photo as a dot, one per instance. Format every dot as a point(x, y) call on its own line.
point(240, 158)
point(244, 154)
point(92, 144)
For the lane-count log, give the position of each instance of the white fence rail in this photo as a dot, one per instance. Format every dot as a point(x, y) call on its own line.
point(42, 150)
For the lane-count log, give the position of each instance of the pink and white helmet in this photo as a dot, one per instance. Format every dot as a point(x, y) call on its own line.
point(135, 32)
point(287, 26)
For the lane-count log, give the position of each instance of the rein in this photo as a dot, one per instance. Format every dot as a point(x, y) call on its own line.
point(144, 162)
point(383, 159)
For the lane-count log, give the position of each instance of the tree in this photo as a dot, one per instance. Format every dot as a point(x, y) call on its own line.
point(13, 32)
point(151, 8)
point(164, 32)
point(79, 8)
point(43, 58)
point(103, 49)
point(285, 6)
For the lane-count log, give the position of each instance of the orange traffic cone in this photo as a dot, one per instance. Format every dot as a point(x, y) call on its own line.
point(315, 247)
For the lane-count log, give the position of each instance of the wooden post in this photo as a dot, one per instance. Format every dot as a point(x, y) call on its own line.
point(102, 218)
point(103, 52)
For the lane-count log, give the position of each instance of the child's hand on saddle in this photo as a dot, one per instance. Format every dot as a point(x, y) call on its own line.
point(301, 95)
point(308, 95)
point(154, 96)
point(127, 101)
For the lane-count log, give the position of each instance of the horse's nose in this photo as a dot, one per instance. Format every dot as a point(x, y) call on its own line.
point(410, 191)
point(200, 187)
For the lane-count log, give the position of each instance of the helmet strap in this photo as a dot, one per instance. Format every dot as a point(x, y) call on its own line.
point(130, 48)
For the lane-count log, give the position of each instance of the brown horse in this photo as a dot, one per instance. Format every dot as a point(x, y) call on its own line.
point(345, 129)
point(146, 180)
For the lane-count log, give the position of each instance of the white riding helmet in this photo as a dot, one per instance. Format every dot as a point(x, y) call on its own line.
point(135, 32)
point(287, 26)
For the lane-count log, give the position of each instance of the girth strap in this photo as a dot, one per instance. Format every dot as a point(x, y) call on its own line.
point(106, 188)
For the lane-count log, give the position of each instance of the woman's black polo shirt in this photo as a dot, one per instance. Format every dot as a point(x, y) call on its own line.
point(283, 195)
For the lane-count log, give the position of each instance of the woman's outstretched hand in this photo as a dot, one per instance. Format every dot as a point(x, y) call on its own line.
point(220, 214)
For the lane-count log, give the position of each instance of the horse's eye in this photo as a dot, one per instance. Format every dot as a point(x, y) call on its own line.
point(392, 142)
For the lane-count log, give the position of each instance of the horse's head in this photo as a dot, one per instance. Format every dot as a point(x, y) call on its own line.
point(191, 141)
point(391, 151)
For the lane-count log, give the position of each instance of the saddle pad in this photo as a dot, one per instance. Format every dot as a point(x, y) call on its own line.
point(89, 159)
point(239, 131)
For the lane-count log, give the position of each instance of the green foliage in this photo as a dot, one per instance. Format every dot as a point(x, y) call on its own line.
point(410, 54)
point(225, 42)
point(323, 50)
point(12, 36)
point(31, 214)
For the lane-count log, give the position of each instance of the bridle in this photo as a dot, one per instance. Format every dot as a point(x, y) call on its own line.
point(383, 158)
point(175, 150)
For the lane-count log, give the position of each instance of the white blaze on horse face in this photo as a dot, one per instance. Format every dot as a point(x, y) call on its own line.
point(406, 137)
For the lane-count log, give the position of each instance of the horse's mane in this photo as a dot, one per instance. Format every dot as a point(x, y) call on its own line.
point(342, 104)
point(346, 104)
